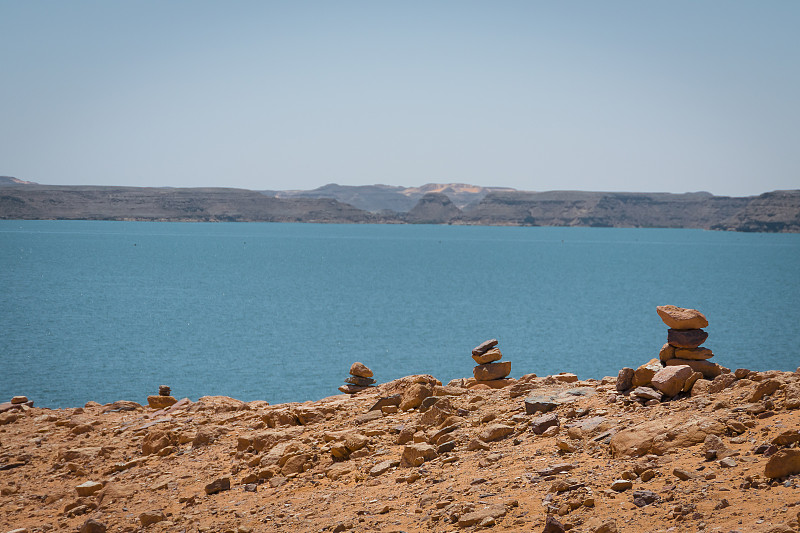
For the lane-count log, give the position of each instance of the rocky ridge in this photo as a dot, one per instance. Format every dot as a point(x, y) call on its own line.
point(777, 211)
point(539, 454)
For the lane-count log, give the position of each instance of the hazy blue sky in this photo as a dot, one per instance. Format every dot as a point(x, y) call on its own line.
point(598, 95)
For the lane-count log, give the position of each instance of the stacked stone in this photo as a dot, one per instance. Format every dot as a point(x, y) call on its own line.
point(684, 339)
point(487, 357)
point(164, 398)
point(360, 379)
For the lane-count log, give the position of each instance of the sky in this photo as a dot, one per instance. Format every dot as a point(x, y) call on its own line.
point(668, 96)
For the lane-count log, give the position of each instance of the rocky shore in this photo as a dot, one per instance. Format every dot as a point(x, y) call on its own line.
point(539, 454)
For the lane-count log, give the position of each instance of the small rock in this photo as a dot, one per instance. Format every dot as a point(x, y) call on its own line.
point(495, 432)
point(624, 379)
point(728, 462)
point(93, 526)
point(349, 388)
point(416, 454)
point(785, 462)
point(484, 347)
point(681, 318)
point(477, 444)
point(552, 525)
point(682, 474)
point(539, 404)
point(359, 381)
point(164, 390)
point(643, 374)
point(693, 354)
point(541, 424)
point(218, 485)
point(492, 371)
point(666, 353)
point(644, 497)
point(670, 380)
point(621, 485)
point(492, 355)
point(18, 400)
point(360, 370)
point(161, 402)
point(646, 393)
point(151, 517)
point(383, 467)
point(686, 338)
point(88, 488)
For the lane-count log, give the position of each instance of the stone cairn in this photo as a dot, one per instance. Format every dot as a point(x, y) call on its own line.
point(684, 339)
point(489, 368)
point(681, 362)
point(163, 400)
point(360, 379)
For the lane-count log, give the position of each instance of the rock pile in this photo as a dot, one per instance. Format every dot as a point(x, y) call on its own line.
point(360, 379)
point(163, 400)
point(684, 339)
point(681, 363)
point(489, 368)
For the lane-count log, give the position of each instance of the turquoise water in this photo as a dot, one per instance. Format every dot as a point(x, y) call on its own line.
point(110, 310)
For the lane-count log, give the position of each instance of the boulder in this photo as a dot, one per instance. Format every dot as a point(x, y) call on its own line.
point(721, 382)
point(492, 355)
point(707, 368)
point(681, 318)
point(484, 347)
point(16, 400)
point(360, 370)
point(663, 434)
point(783, 463)
point(643, 374)
point(625, 379)
point(386, 401)
point(686, 338)
point(670, 380)
point(491, 371)
point(694, 354)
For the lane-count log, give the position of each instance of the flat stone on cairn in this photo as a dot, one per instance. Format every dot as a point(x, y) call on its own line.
point(489, 368)
point(164, 390)
point(360, 379)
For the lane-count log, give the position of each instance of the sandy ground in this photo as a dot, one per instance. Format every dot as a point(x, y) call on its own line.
point(462, 460)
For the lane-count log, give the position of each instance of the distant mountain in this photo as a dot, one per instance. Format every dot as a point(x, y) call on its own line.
point(148, 203)
point(777, 211)
point(8, 180)
point(378, 198)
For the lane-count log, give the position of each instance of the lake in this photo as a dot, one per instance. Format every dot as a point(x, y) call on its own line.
point(106, 311)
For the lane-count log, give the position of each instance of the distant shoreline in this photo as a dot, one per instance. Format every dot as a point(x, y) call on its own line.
point(454, 204)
